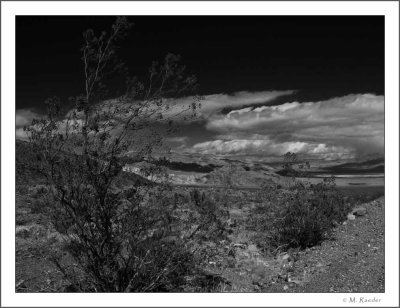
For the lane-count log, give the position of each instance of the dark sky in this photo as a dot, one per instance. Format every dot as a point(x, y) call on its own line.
point(322, 56)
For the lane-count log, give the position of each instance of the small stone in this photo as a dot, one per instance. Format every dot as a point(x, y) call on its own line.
point(252, 248)
point(344, 223)
point(285, 287)
point(359, 211)
point(351, 217)
point(285, 257)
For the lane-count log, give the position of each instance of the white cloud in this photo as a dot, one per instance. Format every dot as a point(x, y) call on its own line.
point(269, 148)
point(212, 104)
point(349, 124)
point(342, 110)
point(20, 133)
point(24, 117)
point(181, 109)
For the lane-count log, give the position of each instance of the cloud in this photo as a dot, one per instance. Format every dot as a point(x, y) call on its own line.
point(20, 133)
point(24, 117)
point(217, 102)
point(269, 148)
point(349, 125)
point(180, 140)
point(212, 104)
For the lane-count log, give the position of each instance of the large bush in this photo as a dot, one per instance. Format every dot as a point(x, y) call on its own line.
point(300, 215)
point(140, 242)
point(118, 237)
point(307, 215)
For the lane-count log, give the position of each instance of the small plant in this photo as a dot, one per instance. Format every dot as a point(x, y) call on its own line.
point(210, 217)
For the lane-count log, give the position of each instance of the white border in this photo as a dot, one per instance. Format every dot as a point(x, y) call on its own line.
point(11, 9)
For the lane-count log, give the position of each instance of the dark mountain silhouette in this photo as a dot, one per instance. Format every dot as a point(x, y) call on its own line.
point(188, 167)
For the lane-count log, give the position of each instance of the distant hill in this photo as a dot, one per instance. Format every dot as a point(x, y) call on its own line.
point(187, 167)
point(370, 166)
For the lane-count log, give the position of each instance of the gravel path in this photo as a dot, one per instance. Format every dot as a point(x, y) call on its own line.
point(354, 261)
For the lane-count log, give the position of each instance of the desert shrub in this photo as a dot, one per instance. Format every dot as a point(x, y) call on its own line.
point(308, 215)
point(119, 233)
point(144, 240)
point(300, 215)
point(206, 214)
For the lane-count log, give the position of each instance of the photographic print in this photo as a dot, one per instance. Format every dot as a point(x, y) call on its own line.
point(220, 154)
point(246, 154)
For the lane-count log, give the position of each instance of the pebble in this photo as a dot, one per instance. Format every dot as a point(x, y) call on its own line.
point(351, 217)
point(359, 211)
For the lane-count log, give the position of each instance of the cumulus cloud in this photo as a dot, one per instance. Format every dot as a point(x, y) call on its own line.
point(213, 104)
point(24, 117)
point(270, 148)
point(349, 125)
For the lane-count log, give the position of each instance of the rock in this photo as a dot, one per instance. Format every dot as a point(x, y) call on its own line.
point(359, 211)
point(285, 287)
point(252, 248)
point(351, 217)
point(285, 257)
point(344, 223)
point(22, 231)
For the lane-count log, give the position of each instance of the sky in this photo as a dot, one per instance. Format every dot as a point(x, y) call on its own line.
point(271, 84)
